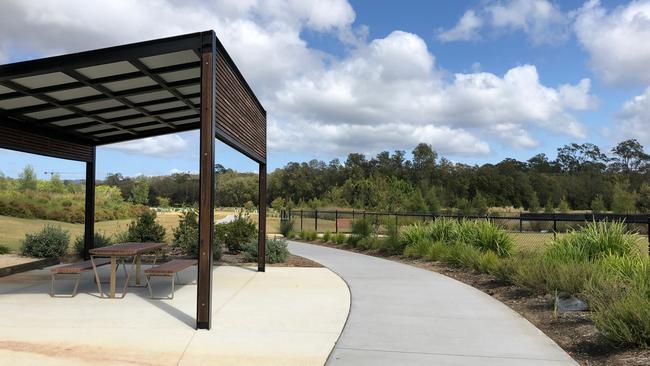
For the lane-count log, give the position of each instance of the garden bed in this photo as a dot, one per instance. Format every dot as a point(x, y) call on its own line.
point(573, 331)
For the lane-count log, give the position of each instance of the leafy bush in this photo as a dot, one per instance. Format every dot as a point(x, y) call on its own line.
point(462, 255)
point(4, 249)
point(186, 236)
point(488, 262)
point(286, 226)
point(145, 229)
point(339, 238)
point(50, 242)
point(327, 236)
point(392, 244)
point(100, 241)
point(418, 249)
point(236, 233)
point(276, 251)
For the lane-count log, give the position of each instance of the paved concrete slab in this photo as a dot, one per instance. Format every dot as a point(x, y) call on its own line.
point(286, 316)
point(403, 315)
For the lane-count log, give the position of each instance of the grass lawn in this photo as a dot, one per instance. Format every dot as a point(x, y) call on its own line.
point(13, 229)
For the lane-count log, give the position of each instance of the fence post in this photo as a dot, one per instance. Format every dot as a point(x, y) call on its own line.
point(521, 224)
point(301, 220)
point(316, 220)
point(648, 235)
point(554, 226)
point(352, 214)
point(336, 221)
point(396, 220)
point(364, 214)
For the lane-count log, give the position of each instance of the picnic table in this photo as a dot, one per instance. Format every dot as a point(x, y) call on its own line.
point(122, 251)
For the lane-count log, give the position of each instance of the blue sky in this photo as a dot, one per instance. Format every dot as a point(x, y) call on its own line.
point(478, 80)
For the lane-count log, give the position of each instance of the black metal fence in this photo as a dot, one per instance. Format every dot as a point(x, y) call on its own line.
point(530, 229)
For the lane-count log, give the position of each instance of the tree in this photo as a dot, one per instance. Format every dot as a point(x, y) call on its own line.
point(140, 193)
point(575, 157)
point(598, 205)
point(56, 184)
point(643, 200)
point(27, 179)
point(623, 201)
point(563, 206)
point(278, 204)
point(629, 156)
point(3, 182)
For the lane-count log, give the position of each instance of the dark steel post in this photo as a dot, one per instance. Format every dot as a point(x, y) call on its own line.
point(521, 224)
point(316, 220)
point(397, 220)
point(352, 214)
point(261, 225)
point(336, 221)
point(206, 183)
point(648, 234)
point(89, 214)
point(300, 220)
point(554, 226)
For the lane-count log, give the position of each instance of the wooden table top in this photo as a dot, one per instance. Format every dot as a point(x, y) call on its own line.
point(126, 249)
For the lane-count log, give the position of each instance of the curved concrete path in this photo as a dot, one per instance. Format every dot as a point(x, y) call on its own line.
point(403, 315)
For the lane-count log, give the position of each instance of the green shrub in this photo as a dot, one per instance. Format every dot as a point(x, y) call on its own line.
point(488, 262)
point(236, 233)
point(339, 238)
point(506, 269)
point(145, 229)
point(489, 237)
point(308, 235)
point(276, 251)
point(418, 249)
point(121, 237)
point(593, 241)
point(415, 234)
point(100, 241)
point(286, 226)
point(530, 273)
point(50, 242)
point(462, 255)
point(186, 236)
point(438, 251)
point(391, 244)
point(619, 295)
point(362, 228)
point(369, 243)
point(327, 236)
point(4, 249)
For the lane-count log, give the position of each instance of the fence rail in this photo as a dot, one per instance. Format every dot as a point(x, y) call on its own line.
point(340, 221)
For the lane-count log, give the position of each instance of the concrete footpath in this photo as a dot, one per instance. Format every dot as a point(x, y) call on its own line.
point(403, 315)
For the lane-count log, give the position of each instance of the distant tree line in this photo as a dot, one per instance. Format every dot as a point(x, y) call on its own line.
point(581, 177)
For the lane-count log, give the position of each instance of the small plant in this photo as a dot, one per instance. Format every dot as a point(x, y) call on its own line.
point(362, 228)
point(339, 238)
point(593, 241)
point(308, 235)
point(4, 249)
point(418, 249)
point(286, 226)
point(489, 237)
point(146, 229)
point(186, 235)
point(100, 241)
point(50, 242)
point(327, 236)
point(236, 233)
point(276, 251)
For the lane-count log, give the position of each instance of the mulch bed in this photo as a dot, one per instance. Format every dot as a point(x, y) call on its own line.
point(573, 331)
point(292, 261)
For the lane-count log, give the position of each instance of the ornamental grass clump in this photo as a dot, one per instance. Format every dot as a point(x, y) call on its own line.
point(489, 237)
point(593, 241)
point(619, 296)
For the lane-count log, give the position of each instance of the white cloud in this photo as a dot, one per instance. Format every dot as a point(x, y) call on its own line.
point(393, 82)
point(541, 20)
point(616, 41)
point(634, 118)
point(464, 30)
point(162, 146)
point(383, 94)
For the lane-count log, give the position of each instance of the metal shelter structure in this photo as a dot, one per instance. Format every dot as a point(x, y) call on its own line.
point(65, 106)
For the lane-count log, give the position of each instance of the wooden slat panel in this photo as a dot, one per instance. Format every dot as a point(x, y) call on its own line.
point(42, 144)
point(240, 120)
